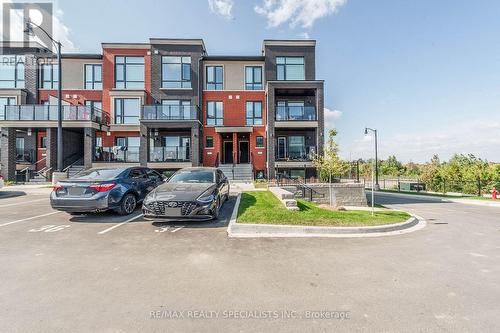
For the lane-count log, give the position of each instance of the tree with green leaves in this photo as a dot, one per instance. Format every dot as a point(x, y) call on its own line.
point(330, 164)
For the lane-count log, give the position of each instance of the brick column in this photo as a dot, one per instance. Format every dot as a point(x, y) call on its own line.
point(8, 153)
point(144, 143)
point(88, 147)
point(51, 160)
point(235, 148)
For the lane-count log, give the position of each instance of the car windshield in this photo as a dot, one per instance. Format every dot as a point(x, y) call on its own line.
point(99, 174)
point(193, 176)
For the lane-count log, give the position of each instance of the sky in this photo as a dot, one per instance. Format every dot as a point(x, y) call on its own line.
point(424, 73)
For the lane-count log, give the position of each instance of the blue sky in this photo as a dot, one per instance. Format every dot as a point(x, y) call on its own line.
point(425, 73)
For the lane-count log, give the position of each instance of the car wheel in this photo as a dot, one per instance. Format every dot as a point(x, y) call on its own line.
point(215, 215)
point(128, 204)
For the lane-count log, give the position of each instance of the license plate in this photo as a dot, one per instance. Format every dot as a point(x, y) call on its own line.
point(171, 211)
point(76, 190)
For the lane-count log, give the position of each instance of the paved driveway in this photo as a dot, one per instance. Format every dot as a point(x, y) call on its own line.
point(112, 273)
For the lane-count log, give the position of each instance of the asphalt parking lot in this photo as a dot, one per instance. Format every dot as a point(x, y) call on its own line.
point(103, 272)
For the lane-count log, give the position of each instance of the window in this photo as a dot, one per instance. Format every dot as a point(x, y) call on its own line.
point(127, 110)
point(136, 173)
point(292, 110)
point(254, 113)
point(93, 76)
point(176, 109)
point(253, 78)
point(50, 76)
point(128, 141)
point(209, 142)
point(4, 101)
point(94, 104)
point(129, 72)
point(215, 79)
point(12, 71)
point(215, 113)
point(98, 141)
point(43, 142)
point(176, 72)
point(290, 68)
point(296, 147)
point(259, 142)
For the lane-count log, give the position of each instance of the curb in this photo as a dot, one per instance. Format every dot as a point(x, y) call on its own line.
point(440, 199)
point(244, 230)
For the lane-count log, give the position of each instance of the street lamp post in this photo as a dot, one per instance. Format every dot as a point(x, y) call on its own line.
point(29, 30)
point(374, 186)
point(377, 187)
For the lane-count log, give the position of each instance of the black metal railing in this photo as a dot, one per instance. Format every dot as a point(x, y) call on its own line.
point(302, 190)
point(169, 154)
point(119, 154)
point(295, 113)
point(169, 112)
point(297, 153)
point(38, 112)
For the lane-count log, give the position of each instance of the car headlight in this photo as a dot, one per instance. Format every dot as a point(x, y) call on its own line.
point(149, 198)
point(206, 198)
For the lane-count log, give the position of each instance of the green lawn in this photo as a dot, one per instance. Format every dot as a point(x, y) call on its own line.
point(265, 208)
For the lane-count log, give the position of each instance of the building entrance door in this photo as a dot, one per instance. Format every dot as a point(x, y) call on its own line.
point(244, 152)
point(227, 152)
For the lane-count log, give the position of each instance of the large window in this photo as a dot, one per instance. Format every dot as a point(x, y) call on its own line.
point(50, 76)
point(215, 78)
point(129, 72)
point(296, 146)
point(254, 113)
point(93, 76)
point(127, 110)
point(11, 71)
point(176, 72)
point(291, 110)
point(176, 109)
point(290, 68)
point(259, 141)
point(253, 78)
point(215, 113)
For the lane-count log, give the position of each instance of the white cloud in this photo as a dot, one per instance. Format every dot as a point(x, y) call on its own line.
point(304, 35)
point(301, 13)
point(223, 8)
point(478, 138)
point(61, 32)
point(331, 117)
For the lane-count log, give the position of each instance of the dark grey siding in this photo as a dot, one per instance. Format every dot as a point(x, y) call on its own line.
point(308, 52)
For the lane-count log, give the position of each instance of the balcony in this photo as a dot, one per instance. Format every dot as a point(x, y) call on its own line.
point(169, 112)
point(296, 153)
point(117, 154)
point(295, 113)
point(50, 113)
point(169, 154)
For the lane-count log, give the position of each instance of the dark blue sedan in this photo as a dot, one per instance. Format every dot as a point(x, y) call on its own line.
point(99, 190)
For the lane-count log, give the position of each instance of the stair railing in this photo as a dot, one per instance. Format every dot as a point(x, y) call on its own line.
point(27, 169)
point(305, 189)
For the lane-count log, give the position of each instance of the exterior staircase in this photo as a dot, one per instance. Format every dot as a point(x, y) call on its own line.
point(75, 170)
point(237, 172)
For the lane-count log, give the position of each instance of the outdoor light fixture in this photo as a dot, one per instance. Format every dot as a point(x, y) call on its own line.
point(375, 185)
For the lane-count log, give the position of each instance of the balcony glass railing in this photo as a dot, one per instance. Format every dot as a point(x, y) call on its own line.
point(169, 112)
point(293, 113)
point(50, 113)
point(169, 154)
point(296, 153)
point(118, 154)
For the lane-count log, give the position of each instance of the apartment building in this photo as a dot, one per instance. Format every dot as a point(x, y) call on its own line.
point(165, 104)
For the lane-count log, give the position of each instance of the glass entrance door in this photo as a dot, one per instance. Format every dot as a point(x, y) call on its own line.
point(281, 147)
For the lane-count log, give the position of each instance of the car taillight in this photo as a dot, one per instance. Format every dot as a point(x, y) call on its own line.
point(102, 187)
point(57, 187)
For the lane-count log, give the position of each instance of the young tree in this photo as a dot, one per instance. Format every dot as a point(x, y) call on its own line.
point(330, 164)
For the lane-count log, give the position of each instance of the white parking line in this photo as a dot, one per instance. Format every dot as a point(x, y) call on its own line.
point(120, 224)
point(177, 229)
point(29, 218)
point(23, 203)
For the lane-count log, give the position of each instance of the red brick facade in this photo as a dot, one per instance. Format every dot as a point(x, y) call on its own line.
point(235, 116)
